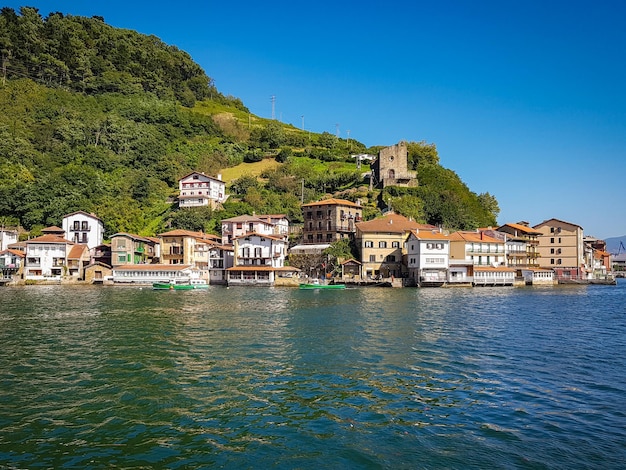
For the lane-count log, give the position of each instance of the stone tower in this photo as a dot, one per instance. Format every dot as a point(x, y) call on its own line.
point(391, 167)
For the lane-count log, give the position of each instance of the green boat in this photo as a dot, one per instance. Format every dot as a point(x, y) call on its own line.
point(315, 284)
point(168, 286)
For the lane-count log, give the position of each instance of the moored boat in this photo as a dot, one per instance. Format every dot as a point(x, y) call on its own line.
point(315, 284)
point(170, 286)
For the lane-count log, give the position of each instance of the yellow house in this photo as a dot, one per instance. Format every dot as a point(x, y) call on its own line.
point(381, 244)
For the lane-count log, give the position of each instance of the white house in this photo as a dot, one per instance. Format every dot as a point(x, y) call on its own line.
point(243, 224)
point(198, 190)
point(84, 228)
point(257, 258)
point(7, 237)
point(46, 257)
point(428, 253)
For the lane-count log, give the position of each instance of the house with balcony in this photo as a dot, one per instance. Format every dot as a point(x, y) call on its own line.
point(212, 259)
point(381, 244)
point(128, 248)
point(235, 227)
point(177, 246)
point(477, 248)
point(84, 228)
point(329, 220)
point(493, 276)
point(428, 256)
point(522, 242)
point(199, 190)
point(46, 258)
point(258, 259)
point(561, 248)
point(11, 263)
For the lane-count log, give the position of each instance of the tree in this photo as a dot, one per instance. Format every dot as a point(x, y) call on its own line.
point(490, 204)
point(421, 153)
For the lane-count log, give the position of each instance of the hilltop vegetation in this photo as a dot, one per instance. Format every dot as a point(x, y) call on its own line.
point(106, 120)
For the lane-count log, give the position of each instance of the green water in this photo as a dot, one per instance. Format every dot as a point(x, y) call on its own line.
point(283, 378)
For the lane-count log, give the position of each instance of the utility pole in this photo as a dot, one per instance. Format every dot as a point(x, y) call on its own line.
point(337, 130)
point(273, 100)
point(302, 122)
point(348, 132)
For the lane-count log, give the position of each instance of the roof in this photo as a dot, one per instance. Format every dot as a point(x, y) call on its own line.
point(493, 269)
point(473, 237)
point(262, 268)
point(49, 238)
point(332, 202)
point(546, 222)
point(53, 229)
point(310, 248)
point(201, 174)
point(247, 218)
point(189, 233)
point(521, 228)
point(152, 267)
point(19, 253)
point(255, 234)
point(351, 261)
point(77, 251)
point(391, 223)
point(429, 235)
point(92, 215)
point(130, 235)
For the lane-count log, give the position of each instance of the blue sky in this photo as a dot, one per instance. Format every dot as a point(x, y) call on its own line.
point(525, 100)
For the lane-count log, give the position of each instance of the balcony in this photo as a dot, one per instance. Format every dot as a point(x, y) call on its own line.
point(85, 228)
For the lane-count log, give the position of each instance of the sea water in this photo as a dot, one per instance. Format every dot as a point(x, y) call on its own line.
point(126, 377)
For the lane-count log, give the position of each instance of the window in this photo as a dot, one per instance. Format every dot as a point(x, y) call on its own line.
point(390, 259)
point(552, 261)
point(84, 225)
point(558, 261)
point(329, 236)
point(373, 258)
point(121, 258)
point(369, 244)
point(395, 244)
point(382, 244)
point(551, 251)
point(552, 240)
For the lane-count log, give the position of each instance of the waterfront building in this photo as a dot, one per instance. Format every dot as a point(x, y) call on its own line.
point(199, 190)
point(257, 259)
point(329, 220)
point(147, 274)
point(243, 224)
point(177, 246)
point(11, 263)
point(46, 257)
point(522, 243)
point(478, 248)
point(128, 248)
point(428, 256)
point(493, 276)
point(381, 244)
point(84, 228)
point(77, 258)
point(561, 248)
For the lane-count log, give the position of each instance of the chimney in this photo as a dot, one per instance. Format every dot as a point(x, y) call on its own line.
point(219, 176)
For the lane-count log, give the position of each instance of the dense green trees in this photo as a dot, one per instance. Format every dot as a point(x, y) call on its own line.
point(103, 120)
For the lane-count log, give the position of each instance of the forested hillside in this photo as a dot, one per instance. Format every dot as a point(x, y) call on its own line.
point(107, 120)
